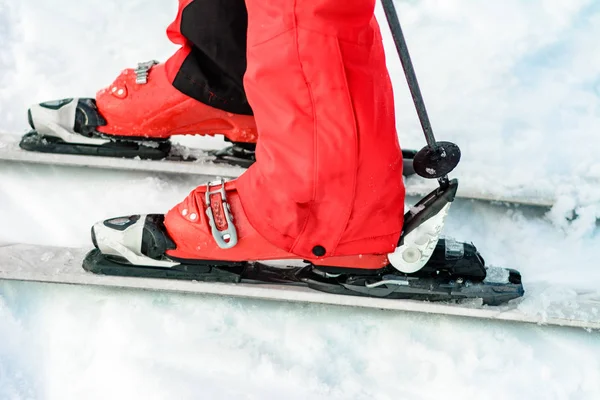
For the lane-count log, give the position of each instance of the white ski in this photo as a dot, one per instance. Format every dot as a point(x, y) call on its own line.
point(61, 265)
point(415, 185)
point(10, 151)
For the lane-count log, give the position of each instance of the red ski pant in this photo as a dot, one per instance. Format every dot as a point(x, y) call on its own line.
point(211, 63)
point(328, 175)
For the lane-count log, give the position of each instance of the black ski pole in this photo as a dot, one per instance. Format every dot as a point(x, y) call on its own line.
point(437, 159)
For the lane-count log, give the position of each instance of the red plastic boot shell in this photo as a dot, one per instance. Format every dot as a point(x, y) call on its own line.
point(156, 110)
point(187, 225)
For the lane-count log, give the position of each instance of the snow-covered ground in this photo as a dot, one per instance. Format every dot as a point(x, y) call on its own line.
point(78, 343)
point(514, 83)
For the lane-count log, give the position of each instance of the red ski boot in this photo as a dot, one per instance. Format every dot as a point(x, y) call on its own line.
point(210, 227)
point(134, 116)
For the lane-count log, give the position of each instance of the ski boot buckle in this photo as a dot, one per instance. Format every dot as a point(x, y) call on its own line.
point(226, 238)
point(141, 72)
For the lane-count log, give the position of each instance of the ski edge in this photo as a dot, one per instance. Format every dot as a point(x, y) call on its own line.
point(295, 294)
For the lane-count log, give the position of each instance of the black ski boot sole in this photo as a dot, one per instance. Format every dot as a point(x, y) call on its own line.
point(100, 264)
point(33, 141)
point(197, 270)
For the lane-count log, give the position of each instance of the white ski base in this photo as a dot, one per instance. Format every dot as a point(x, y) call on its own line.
point(63, 266)
point(416, 186)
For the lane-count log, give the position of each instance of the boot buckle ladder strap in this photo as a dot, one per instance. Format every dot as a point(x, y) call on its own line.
point(141, 72)
point(222, 227)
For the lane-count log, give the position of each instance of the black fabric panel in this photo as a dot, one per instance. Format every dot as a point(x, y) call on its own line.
point(214, 70)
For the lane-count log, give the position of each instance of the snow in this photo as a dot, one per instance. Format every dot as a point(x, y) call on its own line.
point(110, 344)
point(515, 84)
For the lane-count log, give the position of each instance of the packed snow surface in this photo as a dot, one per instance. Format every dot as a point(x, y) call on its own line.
point(514, 83)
